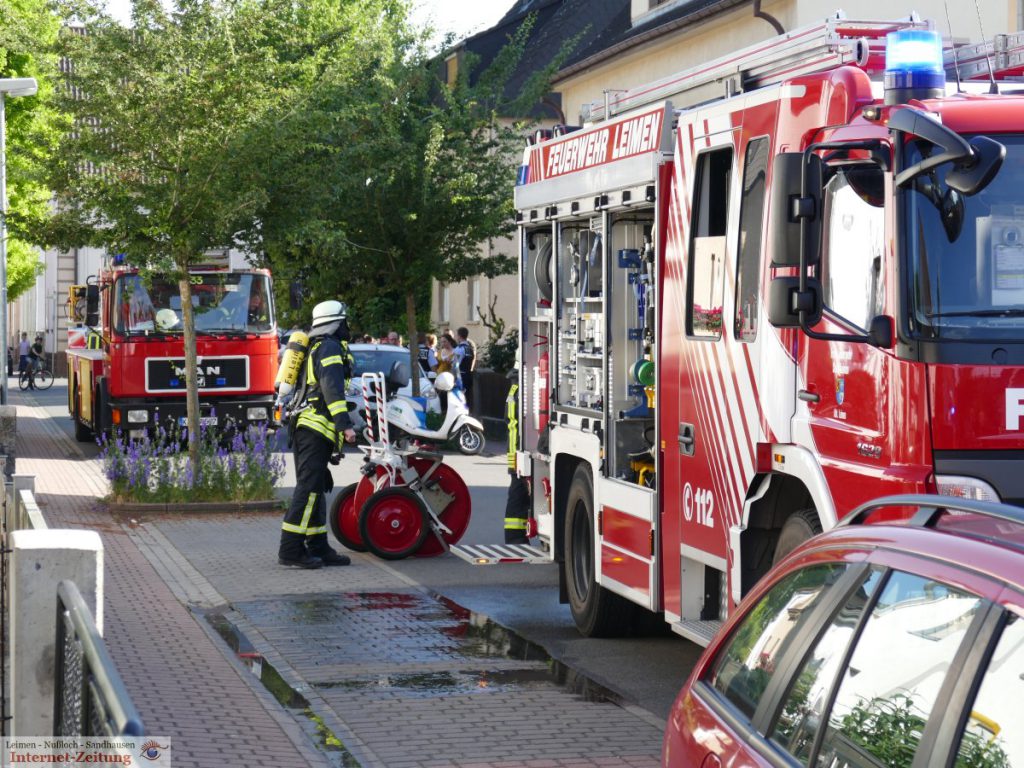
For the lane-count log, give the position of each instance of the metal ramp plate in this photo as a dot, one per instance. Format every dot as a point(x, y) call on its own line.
point(491, 554)
point(700, 632)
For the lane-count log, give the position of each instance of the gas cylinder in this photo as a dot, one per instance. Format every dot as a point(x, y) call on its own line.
point(291, 364)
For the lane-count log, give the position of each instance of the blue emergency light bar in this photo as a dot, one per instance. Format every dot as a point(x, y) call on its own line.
point(913, 65)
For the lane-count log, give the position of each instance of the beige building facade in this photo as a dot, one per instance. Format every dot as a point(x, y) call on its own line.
point(670, 36)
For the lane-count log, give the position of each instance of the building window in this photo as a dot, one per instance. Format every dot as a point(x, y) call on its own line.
point(473, 311)
point(443, 307)
point(451, 69)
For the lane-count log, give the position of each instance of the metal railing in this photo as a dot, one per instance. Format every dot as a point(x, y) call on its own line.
point(90, 699)
point(20, 512)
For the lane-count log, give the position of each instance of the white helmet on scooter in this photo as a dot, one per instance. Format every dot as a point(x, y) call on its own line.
point(444, 382)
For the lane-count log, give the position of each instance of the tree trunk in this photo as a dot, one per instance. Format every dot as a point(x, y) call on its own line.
point(191, 372)
point(410, 329)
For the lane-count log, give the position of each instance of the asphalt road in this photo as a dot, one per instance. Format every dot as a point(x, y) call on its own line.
point(645, 671)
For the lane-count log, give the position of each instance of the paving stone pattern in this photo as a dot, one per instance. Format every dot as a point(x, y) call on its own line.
point(404, 679)
point(177, 675)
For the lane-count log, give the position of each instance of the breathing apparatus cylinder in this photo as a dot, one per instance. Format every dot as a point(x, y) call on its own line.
point(291, 364)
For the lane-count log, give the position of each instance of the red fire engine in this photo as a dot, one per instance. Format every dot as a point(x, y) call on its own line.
point(131, 373)
point(757, 294)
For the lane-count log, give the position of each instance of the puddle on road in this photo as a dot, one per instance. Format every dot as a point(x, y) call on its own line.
point(288, 697)
point(362, 640)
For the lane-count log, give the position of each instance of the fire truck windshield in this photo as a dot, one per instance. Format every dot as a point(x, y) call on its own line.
point(223, 303)
point(966, 253)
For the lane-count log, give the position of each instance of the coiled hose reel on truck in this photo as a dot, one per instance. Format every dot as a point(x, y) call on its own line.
point(407, 502)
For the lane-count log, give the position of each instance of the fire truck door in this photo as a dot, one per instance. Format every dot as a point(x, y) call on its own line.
point(843, 387)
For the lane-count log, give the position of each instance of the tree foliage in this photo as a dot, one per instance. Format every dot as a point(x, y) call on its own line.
point(175, 120)
point(403, 176)
point(28, 29)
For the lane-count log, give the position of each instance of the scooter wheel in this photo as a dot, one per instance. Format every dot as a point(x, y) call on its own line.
point(393, 523)
point(470, 440)
point(456, 515)
point(344, 519)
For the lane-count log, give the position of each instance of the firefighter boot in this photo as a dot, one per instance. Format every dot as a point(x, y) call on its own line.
point(292, 552)
point(317, 546)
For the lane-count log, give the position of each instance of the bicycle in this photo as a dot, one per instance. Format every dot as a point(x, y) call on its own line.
point(43, 378)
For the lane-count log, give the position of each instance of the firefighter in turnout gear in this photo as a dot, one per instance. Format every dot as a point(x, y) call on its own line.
point(517, 504)
point(319, 425)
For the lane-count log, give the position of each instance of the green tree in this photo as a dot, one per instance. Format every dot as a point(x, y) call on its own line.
point(406, 175)
point(28, 30)
point(180, 113)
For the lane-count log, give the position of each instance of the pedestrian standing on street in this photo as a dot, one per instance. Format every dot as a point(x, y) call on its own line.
point(319, 426)
point(23, 347)
point(467, 363)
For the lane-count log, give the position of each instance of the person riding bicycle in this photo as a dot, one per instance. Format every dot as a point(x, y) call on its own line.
point(35, 359)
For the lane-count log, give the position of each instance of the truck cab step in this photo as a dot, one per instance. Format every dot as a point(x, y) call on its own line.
point(492, 554)
point(698, 631)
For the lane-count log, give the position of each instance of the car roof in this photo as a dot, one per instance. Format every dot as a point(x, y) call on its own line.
point(948, 536)
point(363, 347)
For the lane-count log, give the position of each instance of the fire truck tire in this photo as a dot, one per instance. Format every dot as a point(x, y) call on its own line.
point(798, 528)
point(82, 433)
point(597, 611)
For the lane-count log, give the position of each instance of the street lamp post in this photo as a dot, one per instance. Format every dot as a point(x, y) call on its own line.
point(13, 86)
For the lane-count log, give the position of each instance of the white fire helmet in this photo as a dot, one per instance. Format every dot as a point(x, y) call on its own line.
point(166, 319)
point(329, 312)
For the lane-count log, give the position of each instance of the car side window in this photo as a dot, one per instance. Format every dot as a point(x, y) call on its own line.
point(747, 662)
point(993, 737)
point(807, 697)
point(895, 673)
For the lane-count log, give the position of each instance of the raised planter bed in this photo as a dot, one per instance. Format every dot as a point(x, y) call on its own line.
point(196, 507)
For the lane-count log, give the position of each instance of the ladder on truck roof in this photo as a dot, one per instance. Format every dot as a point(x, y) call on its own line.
point(1005, 54)
point(815, 48)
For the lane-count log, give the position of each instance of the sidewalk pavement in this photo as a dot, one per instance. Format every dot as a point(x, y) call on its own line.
point(363, 660)
point(184, 686)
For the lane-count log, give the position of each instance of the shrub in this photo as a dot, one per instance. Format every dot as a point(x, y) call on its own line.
point(241, 466)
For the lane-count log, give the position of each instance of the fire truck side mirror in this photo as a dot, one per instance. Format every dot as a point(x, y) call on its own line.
point(295, 294)
point(786, 300)
point(793, 210)
point(92, 305)
point(880, 334)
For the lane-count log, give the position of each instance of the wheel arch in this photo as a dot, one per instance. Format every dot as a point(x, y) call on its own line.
point(796, 483)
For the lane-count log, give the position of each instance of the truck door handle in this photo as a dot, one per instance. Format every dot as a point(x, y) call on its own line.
point(687, 439)
point(808, 396)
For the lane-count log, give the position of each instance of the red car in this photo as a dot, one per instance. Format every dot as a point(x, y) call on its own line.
point(897, 644)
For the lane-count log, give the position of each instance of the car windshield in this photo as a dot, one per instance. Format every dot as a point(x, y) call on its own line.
point(966, 253)
point(377, 360)
point(223, 303)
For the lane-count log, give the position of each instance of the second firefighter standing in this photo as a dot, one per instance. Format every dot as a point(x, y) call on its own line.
point(319, 425)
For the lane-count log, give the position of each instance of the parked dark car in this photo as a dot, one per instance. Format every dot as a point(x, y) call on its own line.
point(896, 644)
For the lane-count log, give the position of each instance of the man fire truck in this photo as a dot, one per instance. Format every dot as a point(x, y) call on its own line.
point(132, 373)
point(758, 293)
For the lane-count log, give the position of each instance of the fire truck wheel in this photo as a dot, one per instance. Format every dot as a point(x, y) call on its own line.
point(82, 433)
point(393, 523)
point(596, 611)
point(344, 519)
point(798, 528)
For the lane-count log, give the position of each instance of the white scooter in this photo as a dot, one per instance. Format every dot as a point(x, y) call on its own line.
point(409, 416)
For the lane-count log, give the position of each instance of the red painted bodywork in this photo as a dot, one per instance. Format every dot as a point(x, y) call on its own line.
point(992, 571)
